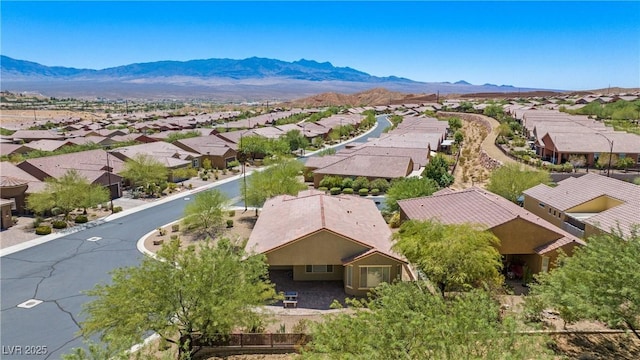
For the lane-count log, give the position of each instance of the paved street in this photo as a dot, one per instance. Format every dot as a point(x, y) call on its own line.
point(57, 272)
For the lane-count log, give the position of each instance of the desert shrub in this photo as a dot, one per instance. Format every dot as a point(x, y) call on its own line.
point(56, 211)
point(38, 221)
point(81, 219)
point(394, 222)
point(363, 192)
point(232, 213)
point(117, 209)
point(175, 227)
point(331, 182)
point(59, 224)
point(334, 191)
point(347, 183)
point(360, 182)
point(381, 184)
point(567, 167)
point(375, 192)
point(347, 191)
point(229, 223)
point(43, 230)
point(172, 186)
point(323, 188)
point(175, 237)
point(161, 231)
point(190, 186)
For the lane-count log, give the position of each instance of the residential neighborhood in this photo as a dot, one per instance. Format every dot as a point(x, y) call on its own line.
point(338, 237)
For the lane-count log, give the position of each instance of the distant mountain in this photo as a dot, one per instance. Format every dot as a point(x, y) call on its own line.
point(217, 79)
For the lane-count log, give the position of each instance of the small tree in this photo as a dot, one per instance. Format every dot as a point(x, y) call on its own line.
point(599, 282)
point(144, 170)
point(458, 137)
point(453, 257)
point(407, 188)
point(455, 123)
point(279, 179)
point(510, 180)
point(625, 163)
point(438, 170)
point(577, 161)
point(206, 213)
point(185, 295)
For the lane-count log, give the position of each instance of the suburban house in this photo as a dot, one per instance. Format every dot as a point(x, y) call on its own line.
point(370, 166)
point(218, 151)
point(15, 186)
point(169, 155)
point(341, 238)
point(587, 205)
point(91, 164)
point(526, 240)
point(559, 146)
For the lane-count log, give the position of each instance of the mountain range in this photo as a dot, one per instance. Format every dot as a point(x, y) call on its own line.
point(216, 79)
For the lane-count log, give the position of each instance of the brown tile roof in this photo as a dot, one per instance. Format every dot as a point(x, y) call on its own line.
point(48, 145)
point(475, 206)
point(36, 134)
point(575, 191)
point(388, 167)
point(288, 218)
point(167, 154)
point(204, 144)
point(418, 155)
point(91, 164)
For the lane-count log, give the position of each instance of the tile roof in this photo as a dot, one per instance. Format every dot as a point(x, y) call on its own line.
point(370, 166)
point(310, 211)
point(575, 191)
point(477, 206)
point(91, 164)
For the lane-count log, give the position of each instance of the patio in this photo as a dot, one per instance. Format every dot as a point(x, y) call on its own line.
point(311, 294)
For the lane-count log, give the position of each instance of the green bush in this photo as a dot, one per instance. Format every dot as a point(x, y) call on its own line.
point(346, 183)
point(363, 192)
point(117, 209)
point(229, 223)
point(360, 182)
point(347, 191)
point(375, 192)
point(43, 230)
point(381, 184)
point(56, 211)
point(323, 188)
point(175, 227)
point(331, 182)
point(59, 224)
point(81, 219)
point(334, 191)
point(232, 213)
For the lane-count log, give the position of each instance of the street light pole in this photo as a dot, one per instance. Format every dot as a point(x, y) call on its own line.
point(610, 153)
point(109, 180)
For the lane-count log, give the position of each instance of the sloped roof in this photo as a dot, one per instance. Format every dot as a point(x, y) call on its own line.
point(370, 166)
point(11, 171)
point(91, 164)
point(575, 191)
point(478, 206)
point(310, 211)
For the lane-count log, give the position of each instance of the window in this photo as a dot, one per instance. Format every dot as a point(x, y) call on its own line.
point(319, 268)
point(372, 276)
point(541, 205)
point(349, 277)
point(549, 210)
point(554, 213)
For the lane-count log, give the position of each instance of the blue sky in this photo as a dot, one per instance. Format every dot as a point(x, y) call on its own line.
point(570, 45)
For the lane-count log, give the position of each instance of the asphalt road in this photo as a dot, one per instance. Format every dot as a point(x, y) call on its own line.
point(59, 271)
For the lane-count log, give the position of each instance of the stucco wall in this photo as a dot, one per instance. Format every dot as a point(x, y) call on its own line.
point(533, 205)
point(522, 237)
point(300, 274)
point(598, 204)
point(395, 272)
point(320, 248)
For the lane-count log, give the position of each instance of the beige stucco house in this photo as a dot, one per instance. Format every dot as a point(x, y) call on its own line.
point(322, 237)
point(525, 238)
point(587, 205)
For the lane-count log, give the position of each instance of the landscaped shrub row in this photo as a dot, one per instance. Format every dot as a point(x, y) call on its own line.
point(330, 182)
